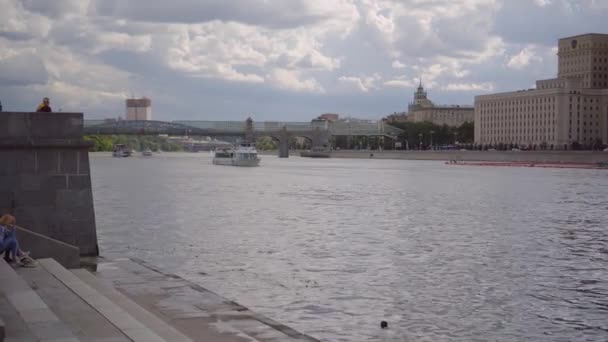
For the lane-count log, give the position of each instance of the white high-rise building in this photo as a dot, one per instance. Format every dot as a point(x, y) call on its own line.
point(139, 109)
point(561, 112)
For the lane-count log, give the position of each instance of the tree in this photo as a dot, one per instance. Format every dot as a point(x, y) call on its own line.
point(442, 134)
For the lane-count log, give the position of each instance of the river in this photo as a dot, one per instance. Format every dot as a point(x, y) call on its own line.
point(331, 247)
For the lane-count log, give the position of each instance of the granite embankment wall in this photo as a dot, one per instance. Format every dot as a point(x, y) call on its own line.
point(495, 156)
point(45, 179)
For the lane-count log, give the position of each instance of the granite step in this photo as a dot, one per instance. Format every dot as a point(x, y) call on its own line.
point(86, 323)
point(196, 312)
point(133, 329)
point(157, 325)
point(27, 316)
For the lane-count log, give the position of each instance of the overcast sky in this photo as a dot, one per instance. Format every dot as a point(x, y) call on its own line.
point(277, 59)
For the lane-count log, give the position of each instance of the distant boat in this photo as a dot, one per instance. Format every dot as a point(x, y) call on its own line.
point(146, 153)
point(316, 152)
point(121, 151)
point(243, 155)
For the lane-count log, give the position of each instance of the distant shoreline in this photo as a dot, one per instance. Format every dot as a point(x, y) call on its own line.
point(577, 157)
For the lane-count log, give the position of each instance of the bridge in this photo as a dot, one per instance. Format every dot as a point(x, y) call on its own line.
point(319, 133)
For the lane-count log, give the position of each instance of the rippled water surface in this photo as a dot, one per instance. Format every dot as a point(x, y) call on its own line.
point(331, 247)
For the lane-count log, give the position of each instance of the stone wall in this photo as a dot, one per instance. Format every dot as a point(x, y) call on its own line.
point(45, 178)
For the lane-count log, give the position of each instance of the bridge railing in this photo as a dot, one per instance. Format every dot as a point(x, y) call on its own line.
point(232, 127)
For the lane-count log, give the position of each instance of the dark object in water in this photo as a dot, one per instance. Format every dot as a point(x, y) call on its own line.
point(383, 325)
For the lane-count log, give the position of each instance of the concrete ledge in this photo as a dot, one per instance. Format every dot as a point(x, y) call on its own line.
point(128, 325)
point(41, 246)
point(41, 125)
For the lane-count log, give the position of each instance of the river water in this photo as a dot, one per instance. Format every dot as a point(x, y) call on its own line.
point(331, 247)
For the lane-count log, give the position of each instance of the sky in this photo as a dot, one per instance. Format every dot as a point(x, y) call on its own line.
point(287, 60)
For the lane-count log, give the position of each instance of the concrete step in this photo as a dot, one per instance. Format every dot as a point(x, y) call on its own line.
point(127, 324)
point(84, 321)
point(20, 305)
point(155, 324)
point(196, 312)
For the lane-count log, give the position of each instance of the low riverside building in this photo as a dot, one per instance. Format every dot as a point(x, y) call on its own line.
point(422, 109)
point(561, 113)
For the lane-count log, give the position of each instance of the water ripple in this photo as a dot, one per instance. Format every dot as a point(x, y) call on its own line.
point(331, 247)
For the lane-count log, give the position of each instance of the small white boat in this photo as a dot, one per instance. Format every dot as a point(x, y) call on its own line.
point(243, 155)
point(146, 153)
point(120, 151)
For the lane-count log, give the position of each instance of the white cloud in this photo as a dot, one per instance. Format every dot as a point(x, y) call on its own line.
point(398, 65)
point(542, 3)
point(524, 58)
point(483, 87)
point(292, 80)
point(401, 83)
point(362, 84)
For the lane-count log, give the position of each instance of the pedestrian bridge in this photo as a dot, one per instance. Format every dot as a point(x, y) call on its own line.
point(318, 132)
point(235, 128)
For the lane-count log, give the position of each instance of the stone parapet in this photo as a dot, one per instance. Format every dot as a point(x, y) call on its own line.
point(45, 178)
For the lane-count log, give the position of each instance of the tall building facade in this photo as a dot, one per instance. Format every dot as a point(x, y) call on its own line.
point(422, 109)
point(561, 112)
point(139, 109)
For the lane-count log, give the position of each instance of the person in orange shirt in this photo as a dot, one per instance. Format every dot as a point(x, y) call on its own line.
point(44, 106)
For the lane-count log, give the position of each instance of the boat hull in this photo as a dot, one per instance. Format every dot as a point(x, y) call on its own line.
point(233, 162)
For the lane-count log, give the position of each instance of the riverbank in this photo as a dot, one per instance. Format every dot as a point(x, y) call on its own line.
point(579, 157)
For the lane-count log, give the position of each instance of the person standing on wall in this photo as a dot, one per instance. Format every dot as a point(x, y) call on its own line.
point(44, 106)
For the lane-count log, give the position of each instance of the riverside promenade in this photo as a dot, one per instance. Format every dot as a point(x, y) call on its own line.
point(46, 184)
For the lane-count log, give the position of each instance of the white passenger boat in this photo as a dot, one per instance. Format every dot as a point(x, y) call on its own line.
point(120, 151)
point(243, 155)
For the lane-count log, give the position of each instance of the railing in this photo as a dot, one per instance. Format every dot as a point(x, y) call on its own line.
point(42, 246)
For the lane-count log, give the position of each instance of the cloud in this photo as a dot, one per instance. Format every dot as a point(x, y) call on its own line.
point(397, 83)
point(398, 65)
point(482, 87)
point(524, 58)
point(348, 56)
point(23, 70)
point(292, 80)
point(267, 13)
point(362, 84)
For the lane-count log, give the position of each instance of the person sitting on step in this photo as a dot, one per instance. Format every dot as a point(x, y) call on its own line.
point(8, 241)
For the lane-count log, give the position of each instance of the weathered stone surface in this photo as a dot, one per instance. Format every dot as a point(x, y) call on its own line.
point(29, 182)
point(8, 167)
point(68, 161)
point(26, 162)
point(48, 161)
point(45, 177)
point(79, 182)
point(34, 198)
point(83, 164)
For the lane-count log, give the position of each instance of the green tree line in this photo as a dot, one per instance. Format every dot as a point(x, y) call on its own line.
point(104, 143)
point(425, 134)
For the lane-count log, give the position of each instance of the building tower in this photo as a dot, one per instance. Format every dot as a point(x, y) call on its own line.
point(139, 109)
point(420, 95)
